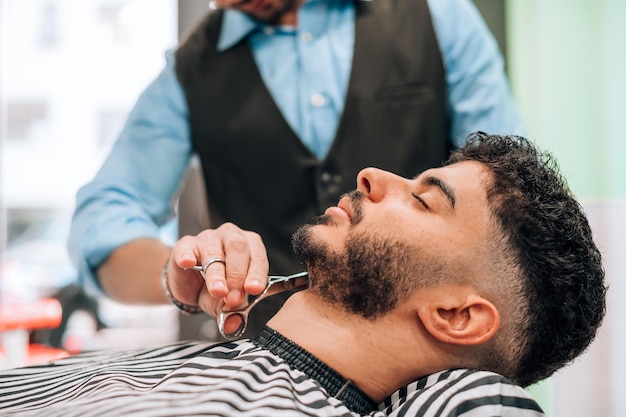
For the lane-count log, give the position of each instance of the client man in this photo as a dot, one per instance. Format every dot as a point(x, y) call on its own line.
point(441, 295)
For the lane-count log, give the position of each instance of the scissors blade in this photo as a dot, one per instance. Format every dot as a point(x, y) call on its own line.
point(275, 279)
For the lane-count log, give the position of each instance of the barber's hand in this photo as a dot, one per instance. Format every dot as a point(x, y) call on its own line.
point(244, 270)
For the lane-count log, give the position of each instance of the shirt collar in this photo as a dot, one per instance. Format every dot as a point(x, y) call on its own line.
point(235, 27)
point(335, 385)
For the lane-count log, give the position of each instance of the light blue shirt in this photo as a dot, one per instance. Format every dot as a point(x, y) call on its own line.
point(306, 70)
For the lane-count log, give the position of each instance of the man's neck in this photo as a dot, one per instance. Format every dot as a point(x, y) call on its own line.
point(379, 356)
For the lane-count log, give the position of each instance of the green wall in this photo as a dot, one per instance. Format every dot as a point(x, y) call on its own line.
point(567, 62)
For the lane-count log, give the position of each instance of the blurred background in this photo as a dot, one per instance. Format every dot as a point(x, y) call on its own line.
point(71, 70)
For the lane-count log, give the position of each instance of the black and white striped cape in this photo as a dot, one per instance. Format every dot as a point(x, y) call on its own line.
point(265, 376)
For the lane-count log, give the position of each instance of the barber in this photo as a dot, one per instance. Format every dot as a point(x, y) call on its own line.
point(283, 101)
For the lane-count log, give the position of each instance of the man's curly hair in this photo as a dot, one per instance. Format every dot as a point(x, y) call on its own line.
point(547, 235)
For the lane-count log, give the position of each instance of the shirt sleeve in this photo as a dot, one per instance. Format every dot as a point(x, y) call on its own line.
point(133, 193)
point(479, 95)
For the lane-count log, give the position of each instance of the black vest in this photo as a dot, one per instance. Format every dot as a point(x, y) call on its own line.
point(260, 176)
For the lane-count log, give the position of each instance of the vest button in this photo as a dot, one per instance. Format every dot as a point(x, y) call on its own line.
point(326, 177)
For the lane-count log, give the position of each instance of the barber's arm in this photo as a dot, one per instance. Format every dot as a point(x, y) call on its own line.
point(235, 261)
point(131, 273)
point(115, 239)
point(479, 95)
point(116, 224)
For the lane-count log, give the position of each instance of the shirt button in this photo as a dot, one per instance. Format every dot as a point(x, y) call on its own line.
point(306, 37)
point(268, 30)
point(318, 100)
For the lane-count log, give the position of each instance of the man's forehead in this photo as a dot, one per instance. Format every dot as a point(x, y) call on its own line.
point(475, 171)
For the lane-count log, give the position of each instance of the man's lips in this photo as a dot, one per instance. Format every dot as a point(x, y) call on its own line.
point(343, 209)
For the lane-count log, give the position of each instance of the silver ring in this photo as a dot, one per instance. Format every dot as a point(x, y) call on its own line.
point(211, 261)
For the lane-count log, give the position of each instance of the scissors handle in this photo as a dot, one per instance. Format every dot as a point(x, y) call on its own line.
point(275, 285)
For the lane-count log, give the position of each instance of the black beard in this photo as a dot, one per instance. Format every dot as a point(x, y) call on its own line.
point(369, 279)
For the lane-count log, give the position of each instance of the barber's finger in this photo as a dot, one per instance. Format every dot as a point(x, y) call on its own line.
point(251, 252)
point(184, 253)
point(189, 252)
point(187, 255)
point(226, 244)
point(183, 284)
point(256, 279)
point(213, 306)
point(237, 255)
point(214, 273)
point(208, 303)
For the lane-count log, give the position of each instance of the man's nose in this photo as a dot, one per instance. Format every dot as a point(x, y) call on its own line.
point(374, 183)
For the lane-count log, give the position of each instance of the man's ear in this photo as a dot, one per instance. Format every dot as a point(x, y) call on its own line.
point(467, 320)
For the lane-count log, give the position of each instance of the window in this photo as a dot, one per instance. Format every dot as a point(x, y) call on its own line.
point(70, 71)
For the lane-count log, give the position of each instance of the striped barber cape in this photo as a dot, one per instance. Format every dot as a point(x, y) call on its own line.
point(264, 376)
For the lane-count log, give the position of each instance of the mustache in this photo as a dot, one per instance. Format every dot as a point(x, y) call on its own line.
point(356, 202)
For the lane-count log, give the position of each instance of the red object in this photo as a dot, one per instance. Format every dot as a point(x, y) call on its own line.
point(41, 354)
point(41, 314)
point(46, 313)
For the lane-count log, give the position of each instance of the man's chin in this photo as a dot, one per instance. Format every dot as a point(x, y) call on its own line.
point(307, 246)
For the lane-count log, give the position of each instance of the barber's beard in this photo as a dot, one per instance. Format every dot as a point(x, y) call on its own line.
point(369, 279)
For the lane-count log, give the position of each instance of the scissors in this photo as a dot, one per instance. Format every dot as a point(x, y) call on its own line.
point(276, 284)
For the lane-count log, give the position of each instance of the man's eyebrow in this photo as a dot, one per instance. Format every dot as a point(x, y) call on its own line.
point(444, 187)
